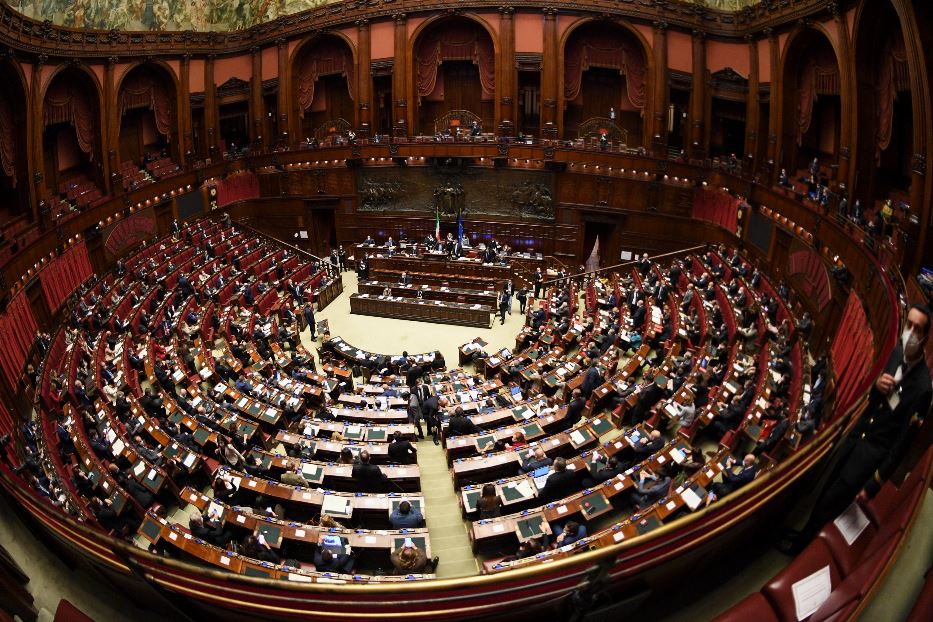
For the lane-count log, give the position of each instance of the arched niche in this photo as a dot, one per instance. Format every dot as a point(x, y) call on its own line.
point(605, 74)
point(812, 102)
point(14, 173)
point(324, 87)
point(453, 69)
point(147, 115)
point(71, 145)
point(885, 139)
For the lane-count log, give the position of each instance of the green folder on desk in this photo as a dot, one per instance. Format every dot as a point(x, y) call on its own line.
point(481, 441)
point(470, 498)
point(252, 571)
point(517, 491)
point(151, 529)
point(580, 437)
point(601, 425)
point(313, 473)
point(376, 434)
point(646, 524)
point(254, 409)
point(532, 430)
point(353, 433)
point(201, 435)
point(531, 527)
point(272, 533)
point(593, 505)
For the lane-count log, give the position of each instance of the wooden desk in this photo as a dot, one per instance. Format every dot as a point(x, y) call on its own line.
point(421, 310)
point(428, 292)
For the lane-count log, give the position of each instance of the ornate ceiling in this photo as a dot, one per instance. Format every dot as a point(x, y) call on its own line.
point(203, 15)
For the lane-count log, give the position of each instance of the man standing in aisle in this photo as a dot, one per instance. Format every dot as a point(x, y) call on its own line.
point(899, 399)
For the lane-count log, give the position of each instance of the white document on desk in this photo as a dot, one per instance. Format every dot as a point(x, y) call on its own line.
point(851, 523)
point(691, 498)
point(811, 592)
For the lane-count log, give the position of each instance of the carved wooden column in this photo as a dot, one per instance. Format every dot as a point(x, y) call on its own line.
point(549, 77)
point(255, 99)
point(847, 94)
point(752, 108)
point(211, 113)
point(184, 111)
point(508, 74)
point(698, 97)
point(401, 119)
point(364, 80)
point(775, 112)
point(659, 92)
point(38, 127)
point(110, 131)
point(283, 102)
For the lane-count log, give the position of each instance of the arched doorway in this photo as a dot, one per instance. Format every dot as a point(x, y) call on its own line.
point(812, 105)
point(454, 69)
point(884, 141)
point(605, 76)
point(14, 178)
point(324, 83)
point(71, 142)
point(146, 108)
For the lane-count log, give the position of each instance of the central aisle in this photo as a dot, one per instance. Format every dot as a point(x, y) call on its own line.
point(448, 529)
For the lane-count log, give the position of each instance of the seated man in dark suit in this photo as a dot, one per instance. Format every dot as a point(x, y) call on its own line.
point(733, 481)
point(401, 450)
point(603, 469)
point(651, 487)
point(460, 424)
point(211, 531)
point(560, 483)
point(331, 556)
point(368, 476)
point(647, 398)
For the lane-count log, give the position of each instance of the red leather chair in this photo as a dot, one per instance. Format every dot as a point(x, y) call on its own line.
point(923, 608)
point(753, 607)
point(779, 590)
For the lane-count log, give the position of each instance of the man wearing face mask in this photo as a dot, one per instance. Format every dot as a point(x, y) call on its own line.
point(881, 436)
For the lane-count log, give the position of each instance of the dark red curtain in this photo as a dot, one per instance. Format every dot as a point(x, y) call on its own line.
point(64, 274)
point(327, 58)
point(17, 331)
point(455, 42)
point(607, 51)
point(146, 91)
point(7, 139)
point(236, 188)
point(716, 206)
point(889, 82)
point(814, 279)
point(818, 76)
point(64, 103)
point(852, 352)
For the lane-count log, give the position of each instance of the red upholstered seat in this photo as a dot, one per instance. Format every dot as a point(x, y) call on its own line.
point(847, 556)
point(779, 590)
point(66, 612)
point(846, 595)
point(753, 607)
point(923, 608)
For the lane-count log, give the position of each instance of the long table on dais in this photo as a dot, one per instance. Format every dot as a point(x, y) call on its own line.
point(445, 294)
point(421, 310)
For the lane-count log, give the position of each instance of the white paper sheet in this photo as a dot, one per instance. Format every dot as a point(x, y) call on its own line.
point(851, 523)
point(811, 592)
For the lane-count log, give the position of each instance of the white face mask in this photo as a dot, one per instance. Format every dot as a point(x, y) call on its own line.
point(910, 343)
